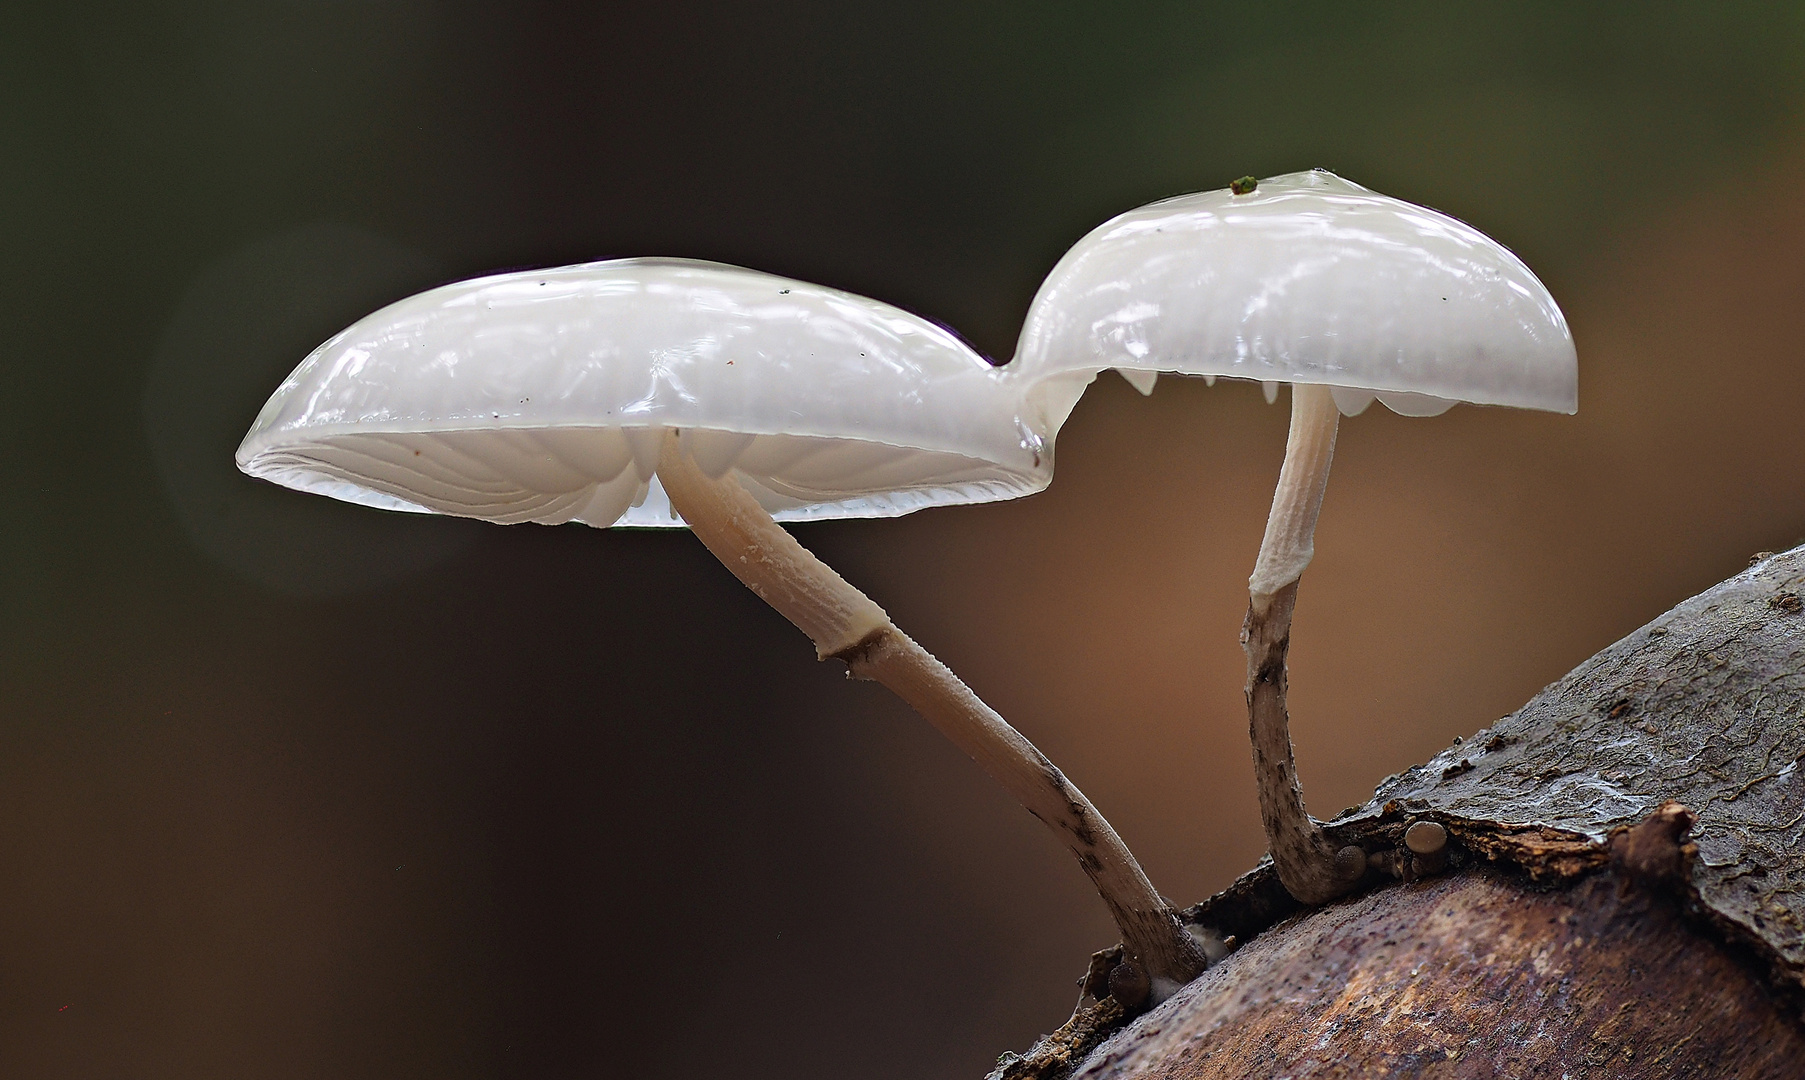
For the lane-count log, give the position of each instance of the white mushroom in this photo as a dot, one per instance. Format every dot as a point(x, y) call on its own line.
point(667, 393)
point(1345, 294)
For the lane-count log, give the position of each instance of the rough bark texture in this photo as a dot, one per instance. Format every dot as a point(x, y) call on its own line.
point(1471, 975)
point(1555, 933)
point(1705, 705)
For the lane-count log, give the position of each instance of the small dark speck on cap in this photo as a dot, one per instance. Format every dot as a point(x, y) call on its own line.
point(783, 292)
point(1244, 186)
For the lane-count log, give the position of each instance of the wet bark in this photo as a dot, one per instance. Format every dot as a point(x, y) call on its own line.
point(1574, 923)
point(1472, 975)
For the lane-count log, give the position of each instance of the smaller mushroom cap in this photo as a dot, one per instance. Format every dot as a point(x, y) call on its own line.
point(544, 395)
point(1307, 279)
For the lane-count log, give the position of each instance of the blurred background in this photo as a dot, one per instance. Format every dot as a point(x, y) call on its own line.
point(290, 788)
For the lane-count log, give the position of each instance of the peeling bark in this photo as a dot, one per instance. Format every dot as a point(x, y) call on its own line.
point(1471, 975)
point(1576, 923)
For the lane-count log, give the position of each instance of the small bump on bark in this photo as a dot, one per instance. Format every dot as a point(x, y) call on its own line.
point(1655, 851)
point(1129, 985)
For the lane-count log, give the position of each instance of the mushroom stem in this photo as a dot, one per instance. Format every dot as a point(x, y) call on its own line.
point(1290, 540)
point(844, 623)
point(1309, 866)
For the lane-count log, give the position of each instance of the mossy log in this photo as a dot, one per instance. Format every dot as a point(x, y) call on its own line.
point(1621, 892)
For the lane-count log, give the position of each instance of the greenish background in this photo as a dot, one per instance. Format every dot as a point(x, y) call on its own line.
point(296, 789)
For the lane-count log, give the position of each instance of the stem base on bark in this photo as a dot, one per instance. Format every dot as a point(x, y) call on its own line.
point(845, 624)
point(1471, 976)
point(1311, 868)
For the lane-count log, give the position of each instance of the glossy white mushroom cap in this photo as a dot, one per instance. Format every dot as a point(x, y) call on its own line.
point(1309, 278)
point(544, 395)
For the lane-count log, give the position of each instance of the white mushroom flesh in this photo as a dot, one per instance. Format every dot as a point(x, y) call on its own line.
point(544, 396)
point(1140, 378)
point(1351, 402)
point(1309, 279)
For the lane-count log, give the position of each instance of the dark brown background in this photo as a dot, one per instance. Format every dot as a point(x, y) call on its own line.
point(296, 789)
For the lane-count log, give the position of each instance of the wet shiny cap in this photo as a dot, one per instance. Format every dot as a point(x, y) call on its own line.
point(1305, 278)
point(544, 395)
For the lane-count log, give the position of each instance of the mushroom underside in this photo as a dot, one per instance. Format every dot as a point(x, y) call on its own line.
point(1351, 400)
point(605, 476)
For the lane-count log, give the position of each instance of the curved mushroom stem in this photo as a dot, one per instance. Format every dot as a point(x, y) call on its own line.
point(1310, 867)
point(844, 623)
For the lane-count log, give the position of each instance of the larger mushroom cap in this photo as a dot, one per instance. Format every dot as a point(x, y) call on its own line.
point(544, 395)
point(1307, 279)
